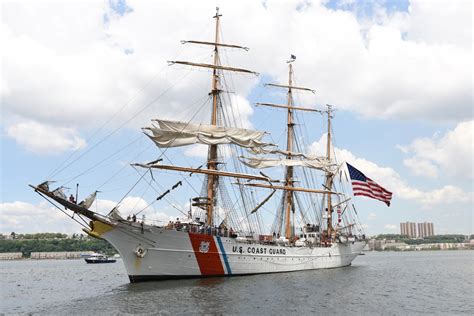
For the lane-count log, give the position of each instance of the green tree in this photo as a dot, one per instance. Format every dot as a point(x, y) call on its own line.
point(26, 246)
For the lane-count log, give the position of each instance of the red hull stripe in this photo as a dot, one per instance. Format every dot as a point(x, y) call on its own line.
point(207, 255)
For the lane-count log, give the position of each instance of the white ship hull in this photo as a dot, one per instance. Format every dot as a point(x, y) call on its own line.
point(153, 253)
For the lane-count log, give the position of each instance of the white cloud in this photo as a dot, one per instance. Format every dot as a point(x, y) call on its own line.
point(197, 150)
point(75, 70)
point(421, 167)
point(392, 181)
point(134, 205)
point(64, 68)
point(371, 216)
point(200, 151)
point(447, 195)
point(22, 217)
point(45, 139)
point(425, 17)
point(240, 109)
point(451, 154)
point(390, 227)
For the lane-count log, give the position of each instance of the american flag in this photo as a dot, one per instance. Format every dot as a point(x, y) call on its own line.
point(361, 185)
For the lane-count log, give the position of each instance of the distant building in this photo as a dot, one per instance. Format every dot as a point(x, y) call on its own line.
point(425, 230)
point(11, 255)
point(371, 244)
point(379, 245)
point(58, 255)
point(408, 229)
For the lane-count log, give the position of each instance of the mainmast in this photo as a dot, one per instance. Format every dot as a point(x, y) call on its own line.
point(289, 147)
point(289, 207)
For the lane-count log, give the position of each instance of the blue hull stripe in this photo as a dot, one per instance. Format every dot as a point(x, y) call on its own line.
point(224, 255)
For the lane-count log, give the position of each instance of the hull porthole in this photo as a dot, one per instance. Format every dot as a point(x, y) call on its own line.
point(140, 251)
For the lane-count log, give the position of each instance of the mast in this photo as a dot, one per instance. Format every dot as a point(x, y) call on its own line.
point(213, 177)
point(289, 148)
point(212, 180)
point(329, 176)
point(289, 188)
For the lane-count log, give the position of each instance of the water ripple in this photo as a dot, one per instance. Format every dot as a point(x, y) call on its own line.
point(394, 283)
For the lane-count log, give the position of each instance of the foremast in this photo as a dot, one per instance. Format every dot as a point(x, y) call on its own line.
point(212, 180)
point(212, 157)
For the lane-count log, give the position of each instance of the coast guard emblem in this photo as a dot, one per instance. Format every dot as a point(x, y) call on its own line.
point(204, 246)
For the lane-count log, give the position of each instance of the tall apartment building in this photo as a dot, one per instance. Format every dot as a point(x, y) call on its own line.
point(425, 230)
point(408, 229)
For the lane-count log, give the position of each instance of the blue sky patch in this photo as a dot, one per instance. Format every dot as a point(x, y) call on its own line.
point(120, 7)
point(365, 8)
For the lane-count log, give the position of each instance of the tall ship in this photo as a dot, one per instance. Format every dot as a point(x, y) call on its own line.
point(227, 232)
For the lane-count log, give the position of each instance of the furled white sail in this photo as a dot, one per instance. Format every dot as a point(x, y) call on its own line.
point(88, 200)
point(270, 150)
point(59, 193)
point(174, 134)
point(261, 163)
point(115, 214)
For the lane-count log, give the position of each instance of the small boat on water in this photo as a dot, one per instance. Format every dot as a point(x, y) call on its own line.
point(90, 254)
point(98, 258)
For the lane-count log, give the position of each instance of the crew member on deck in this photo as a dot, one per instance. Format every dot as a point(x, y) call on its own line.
point(72, 199)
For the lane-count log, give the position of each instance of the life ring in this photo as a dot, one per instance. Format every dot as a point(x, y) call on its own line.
point(140, 252)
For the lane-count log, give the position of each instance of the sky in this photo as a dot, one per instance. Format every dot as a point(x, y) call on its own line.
point(79, 80)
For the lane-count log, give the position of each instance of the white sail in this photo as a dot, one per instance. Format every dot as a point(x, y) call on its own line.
point(175, 134)
point(261, 163)
point(115, 214)
point(268, 150)
point(88, 200)
point(58, 192)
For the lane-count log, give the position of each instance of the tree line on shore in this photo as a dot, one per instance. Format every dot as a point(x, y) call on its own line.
point(14, 235)
point(451, 238)
point(54, 242)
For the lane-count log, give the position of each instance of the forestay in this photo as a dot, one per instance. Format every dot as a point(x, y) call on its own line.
point(174, 134)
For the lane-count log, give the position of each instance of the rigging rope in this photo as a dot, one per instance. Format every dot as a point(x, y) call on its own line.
point(122, 125)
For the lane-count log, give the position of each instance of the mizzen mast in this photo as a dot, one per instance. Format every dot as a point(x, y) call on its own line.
point(217, 68)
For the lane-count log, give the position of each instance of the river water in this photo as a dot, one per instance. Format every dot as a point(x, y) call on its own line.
point(389, 283)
